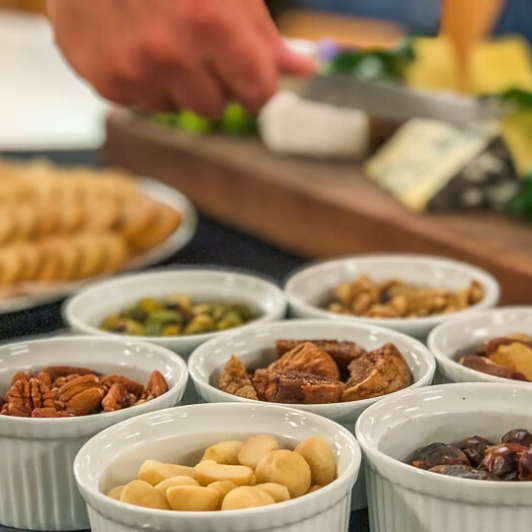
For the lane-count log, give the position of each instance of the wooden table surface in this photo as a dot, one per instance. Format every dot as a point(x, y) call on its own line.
point(315, 209)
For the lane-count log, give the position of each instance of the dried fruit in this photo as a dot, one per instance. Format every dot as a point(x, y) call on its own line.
point(463, 471)
point(234, 380)
point(377, 373)
point(437, 454)
point(307, 358)
point(474, 448)
point(503, 460)
point(520, 436)
point(296, 388)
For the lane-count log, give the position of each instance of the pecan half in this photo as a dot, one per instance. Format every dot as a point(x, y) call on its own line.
point(131, 386)
point(116, 398)
point(26, 395)
point(64, 371)
point(309, 359)
point(45, 379)
point(156, 386)
point(82, 395)
point(20, 375)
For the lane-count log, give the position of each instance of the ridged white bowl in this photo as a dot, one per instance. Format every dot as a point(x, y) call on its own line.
point(452, 340)
point(38, 490)
point(179, 435)
point(86, 310)
point(310, 288)
point(403, 498)
point(256, 348)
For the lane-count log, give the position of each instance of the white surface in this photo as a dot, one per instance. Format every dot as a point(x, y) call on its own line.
point(41, 493)
point(311, 287)
point(85, 311)
point(43, 104)
point(417, 500)
point(454, 339)
point(180, 435)
point(256, 349)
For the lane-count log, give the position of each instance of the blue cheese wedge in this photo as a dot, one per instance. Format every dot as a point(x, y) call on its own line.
point(433, 166)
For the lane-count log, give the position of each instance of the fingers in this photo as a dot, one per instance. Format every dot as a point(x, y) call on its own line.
point(197, 90)
point(246, 68)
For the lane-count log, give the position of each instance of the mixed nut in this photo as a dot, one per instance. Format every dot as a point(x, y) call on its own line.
point(65, 391)
point(480, 459)
point(319, 372)
point(394, 298)
point(509, 357)
point(177, 315)
point(233, 475)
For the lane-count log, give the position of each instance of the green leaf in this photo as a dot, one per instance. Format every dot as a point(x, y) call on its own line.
point(521, 205)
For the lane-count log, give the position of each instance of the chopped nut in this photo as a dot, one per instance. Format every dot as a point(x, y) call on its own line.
point(396, 299)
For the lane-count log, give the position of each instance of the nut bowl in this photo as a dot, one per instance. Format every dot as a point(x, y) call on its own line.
point(39, 489)
point(86, 310)
point(309, 289)
point(403, 498)
point(256, 348)
point(451, 340)
point(179, 435)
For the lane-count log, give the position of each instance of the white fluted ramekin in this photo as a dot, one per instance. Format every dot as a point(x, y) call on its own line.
point(403, 498)
point(38, 490)
point(180, 435)
point(452, 340)
point(256, 348)
point(310, 288)
point(87, 309)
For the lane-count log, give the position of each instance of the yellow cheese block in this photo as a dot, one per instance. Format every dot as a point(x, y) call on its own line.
point(499, 65)
point(435, 66)
point(517, 132)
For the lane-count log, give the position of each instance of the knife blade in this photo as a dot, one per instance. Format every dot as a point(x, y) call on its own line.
point(392, 102)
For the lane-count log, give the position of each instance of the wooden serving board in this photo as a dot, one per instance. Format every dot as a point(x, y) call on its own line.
point(312, 208)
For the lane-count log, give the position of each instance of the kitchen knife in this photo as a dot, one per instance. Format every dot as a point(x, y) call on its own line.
point(392, 102)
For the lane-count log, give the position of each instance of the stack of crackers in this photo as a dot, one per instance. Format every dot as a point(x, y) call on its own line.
point(60, 225)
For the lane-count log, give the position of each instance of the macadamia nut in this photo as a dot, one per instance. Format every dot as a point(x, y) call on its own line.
point(209, 471)
point(278, 492)
point(287, 468)
point(246, 497)
point(225, 452)
point(256, 448)
point(154, 472)
point(193, 498)
point(319, 456)
point(142, 493)
point(171, 482)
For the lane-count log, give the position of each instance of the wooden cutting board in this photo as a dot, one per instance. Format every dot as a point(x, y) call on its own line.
point(312, 208)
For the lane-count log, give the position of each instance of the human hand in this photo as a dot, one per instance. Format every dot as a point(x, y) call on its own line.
point(164, 55)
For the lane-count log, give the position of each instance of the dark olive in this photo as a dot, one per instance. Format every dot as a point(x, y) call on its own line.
point(439, 454)
point(520, 436)
point(503, 460)
point(463, 471)
point(525, 465)
point(474, 448)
